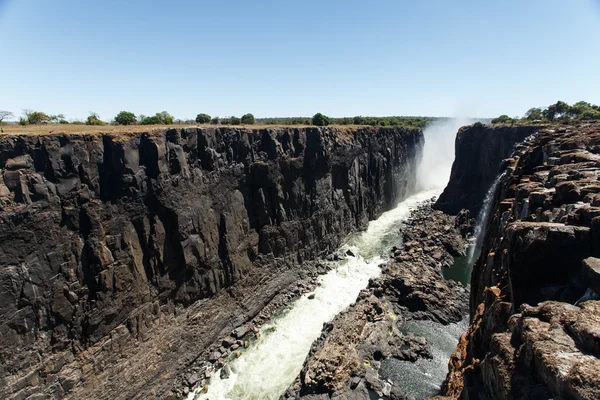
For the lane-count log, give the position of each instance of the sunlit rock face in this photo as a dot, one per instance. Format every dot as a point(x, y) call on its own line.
point(107, 240)
point(534, 299)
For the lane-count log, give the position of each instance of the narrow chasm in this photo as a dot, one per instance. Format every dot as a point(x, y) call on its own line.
point(382, 322)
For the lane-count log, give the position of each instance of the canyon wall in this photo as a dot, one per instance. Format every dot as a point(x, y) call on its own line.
point(535, 318)
point(123, 256)
point(479, 151)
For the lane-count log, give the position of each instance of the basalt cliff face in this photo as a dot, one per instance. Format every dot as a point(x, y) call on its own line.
point(479, 151)
point(124, 256)
point(535, 314)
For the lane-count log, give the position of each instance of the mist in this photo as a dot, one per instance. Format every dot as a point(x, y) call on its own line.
point(438, 152)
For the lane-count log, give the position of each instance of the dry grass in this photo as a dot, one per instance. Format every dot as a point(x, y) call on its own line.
point(56, 129)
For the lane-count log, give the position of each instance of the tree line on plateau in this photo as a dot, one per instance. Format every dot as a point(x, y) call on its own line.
point(31, 117)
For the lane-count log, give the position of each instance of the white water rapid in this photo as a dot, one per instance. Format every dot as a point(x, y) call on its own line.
point(274, 360)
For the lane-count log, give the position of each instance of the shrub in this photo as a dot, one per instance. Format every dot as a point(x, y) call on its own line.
point(235, 121)
point(358, 120)
point(320, 120)
point(63, 122)
point(153, 120)
point(203, 118)
point(125, 118)
point(161, 118)
point(248, 119)
point(590, 115)
point(165, 118)
point(215, 121)
point(94, 119)
point(478, 124)
point(534, 114)
point(503, 119)
point(23, 121)
point(37, 117)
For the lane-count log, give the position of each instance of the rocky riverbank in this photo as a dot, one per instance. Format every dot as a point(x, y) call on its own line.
point(345, 361)
point(126, 257)
point(535, 323)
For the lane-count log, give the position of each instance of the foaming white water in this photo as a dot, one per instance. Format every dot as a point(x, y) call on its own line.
point(271, 364)
point(438, 153)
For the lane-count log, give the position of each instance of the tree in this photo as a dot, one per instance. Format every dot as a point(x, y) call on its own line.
point(94, 119)
point(248, 119)
point(590, 114)
point(161, 118)
point(36, 117)
point(534, 114)
point(125, 118)
point(503, 119)
point(215, 121)
point(165, 118)
point(321, 120)
point(4, 115)
point(203, 118)
point(235, 121)
point(57, 118)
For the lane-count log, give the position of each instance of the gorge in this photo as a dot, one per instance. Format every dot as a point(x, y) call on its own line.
point(215, 263)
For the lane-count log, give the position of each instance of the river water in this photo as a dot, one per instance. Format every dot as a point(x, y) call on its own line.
point(270, 365)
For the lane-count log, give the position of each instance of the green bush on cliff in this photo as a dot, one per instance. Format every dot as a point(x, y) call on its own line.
point(215, 121)
point(321, 120)
point(503, 119)
point(590, 115)
point(125, 118)
point(161, 118)
point(203, 118)
point(248, 119)
point(235, 121)
point(94, 119)
point(37, 117)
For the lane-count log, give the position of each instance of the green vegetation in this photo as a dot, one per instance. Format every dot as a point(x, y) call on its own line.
point(125, 118)
point(161, 118)
point(35, 117)
point(559, 112)
point(503, 119)
point(248, 119)
point(320, 120)
point(215, 121)
point(419, 122)
point(478, 123)
point(590, 115)
point(203, 118)
point(94, 119)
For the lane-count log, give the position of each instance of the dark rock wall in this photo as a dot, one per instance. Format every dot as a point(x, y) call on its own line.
point(534, 301)
point(479, 151)
point(102, 231)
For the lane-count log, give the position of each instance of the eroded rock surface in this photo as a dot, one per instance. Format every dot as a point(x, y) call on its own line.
point(535, 323)
point(124, 257)
point(345, 361)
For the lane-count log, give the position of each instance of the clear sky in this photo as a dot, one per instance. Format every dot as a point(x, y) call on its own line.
point(296, 58)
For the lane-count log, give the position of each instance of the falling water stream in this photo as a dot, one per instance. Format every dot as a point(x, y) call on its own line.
point(270, 365)
point(481, 221)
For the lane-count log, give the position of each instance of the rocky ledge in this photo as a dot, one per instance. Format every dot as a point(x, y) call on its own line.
point(127, 257)
point(535, 314)
point(346, 360)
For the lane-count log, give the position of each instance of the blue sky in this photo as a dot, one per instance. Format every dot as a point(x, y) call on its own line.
point(291, 58)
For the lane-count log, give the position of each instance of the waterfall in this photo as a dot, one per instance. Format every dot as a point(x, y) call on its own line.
point(482, 218)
